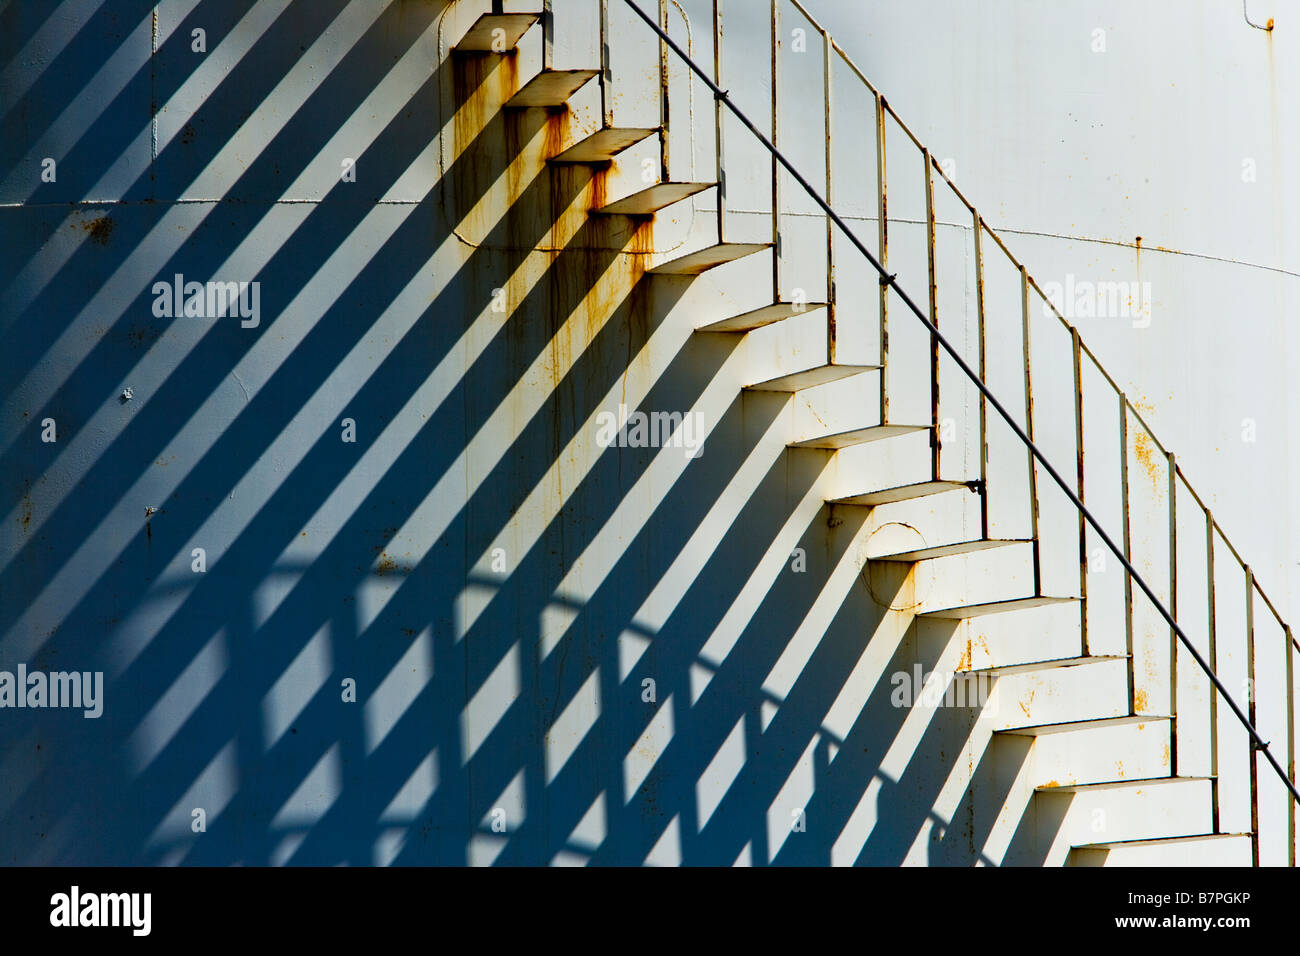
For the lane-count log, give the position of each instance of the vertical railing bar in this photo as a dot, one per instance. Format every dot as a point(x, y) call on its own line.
point(1083, 536)
point(1213, 655)
point(776, 168)
point(883, 212)
point(1250, 713)
point(983, 369)
point(548, 35)
point(1029, 431)
point(1173, 609)
point(664, 119)
point(935, 436)
point(1290, 743)
point(719, 172)
point(830, 226)
point(498, 7)
point(1128, 550)
point(606, 101)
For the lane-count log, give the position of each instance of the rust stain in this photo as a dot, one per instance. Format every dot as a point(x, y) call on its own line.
point(1140, 701)
point(1148, 457)
point(965, 663)
point(1051, 783)
point(99, 229)
point(26, 518)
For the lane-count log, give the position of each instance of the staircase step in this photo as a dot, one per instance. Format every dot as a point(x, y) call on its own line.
point(550, 88)
point(1162, 842)
point(1008, 670)
point(693, 263)
point(649, 201)
point(859, 436)
point(948, 550)
point(996, 607)
point(901, 493)
point(602, 145)
point(1040, 730)
point(1223, 849)
point(1118, 812)
point(1138, 782)
point(810, 377)
point(756, 319)
point(479, 37)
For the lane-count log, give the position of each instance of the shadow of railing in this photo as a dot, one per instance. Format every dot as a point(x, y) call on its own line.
point(325, 561)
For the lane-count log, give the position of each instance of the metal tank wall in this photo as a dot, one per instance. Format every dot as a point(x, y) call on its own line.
point(434, 618)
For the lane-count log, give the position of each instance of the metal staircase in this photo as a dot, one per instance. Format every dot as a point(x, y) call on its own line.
point(1169, 815)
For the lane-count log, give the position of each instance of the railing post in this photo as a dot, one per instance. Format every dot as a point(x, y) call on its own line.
point(983, 372)
point(548, 35)
point(606, 105)
point(1128, 551)
point(1250, 711)
point(720, 172)
point(1029, 431)
point(1213, 655)
point(1078, 443)
point(1173, 609)
point(830, 226)
point(664, 118)
point(883, 212)
point(1290, 742)
point(776, 141)
point(935, 436)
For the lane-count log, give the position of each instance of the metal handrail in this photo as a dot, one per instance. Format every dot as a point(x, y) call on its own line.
point(888, 280)
point(1133, 410)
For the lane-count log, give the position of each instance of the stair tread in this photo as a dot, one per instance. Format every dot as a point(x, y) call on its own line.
point(693, 263)
point(810, 377)
point(996, 607)
point(948, 550)
point(603, 145)
point(1006, 670)
point(550, 88)
point(887, 496)
point(858, 436)
point(650, 200)
point(478, 39)
point(1160, 841)
point(764, 315)
point(1120, 784)
point(1038, 730)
